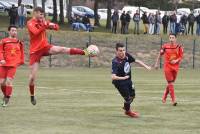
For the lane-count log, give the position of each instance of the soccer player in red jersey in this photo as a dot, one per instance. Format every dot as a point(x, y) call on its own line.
point(40, 47)
point(173, 54)
point(11, 56)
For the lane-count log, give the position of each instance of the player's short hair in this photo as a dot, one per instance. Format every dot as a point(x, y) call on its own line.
point(12, 26)
point(38, 9)
point(172, 34)
point(119, 45)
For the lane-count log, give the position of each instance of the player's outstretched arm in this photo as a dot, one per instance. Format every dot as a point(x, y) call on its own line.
point(143, 64)
point(157, 60)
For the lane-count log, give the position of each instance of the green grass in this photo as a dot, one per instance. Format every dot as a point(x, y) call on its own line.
point(83, 101)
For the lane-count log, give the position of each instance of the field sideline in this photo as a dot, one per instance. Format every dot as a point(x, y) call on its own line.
point(83, 101)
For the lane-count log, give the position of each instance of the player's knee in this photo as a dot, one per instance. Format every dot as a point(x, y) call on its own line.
point(8, 82)
point(2, 81)
point(31, 80)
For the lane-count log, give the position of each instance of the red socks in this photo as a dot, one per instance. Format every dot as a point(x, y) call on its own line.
point(165, 94)
point(171, 91)
point(8, 91)
point(32, 90)
point(76, 51)
point(3, 89)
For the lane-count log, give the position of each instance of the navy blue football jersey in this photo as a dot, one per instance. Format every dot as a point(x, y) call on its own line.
point(122, 67)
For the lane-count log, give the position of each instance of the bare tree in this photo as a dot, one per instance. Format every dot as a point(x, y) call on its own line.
point(69, 10)
point(61, 15)
point(109, 7)
point(34, 3)
point(175, 3)
point(43, 4)
point(96, 16)
point(55, 15)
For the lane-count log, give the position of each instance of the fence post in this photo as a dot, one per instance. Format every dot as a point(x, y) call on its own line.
point(193, 52)
point(161, 43)
point(126, 44)
point(88, 43)
point(50, 58)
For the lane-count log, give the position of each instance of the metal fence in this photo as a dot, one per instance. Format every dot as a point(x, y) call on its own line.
point(143, 47)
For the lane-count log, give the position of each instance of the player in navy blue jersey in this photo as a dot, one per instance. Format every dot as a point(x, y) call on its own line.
point(121, 77)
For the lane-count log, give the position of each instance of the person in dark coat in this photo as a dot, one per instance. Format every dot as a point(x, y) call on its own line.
point(13, 15)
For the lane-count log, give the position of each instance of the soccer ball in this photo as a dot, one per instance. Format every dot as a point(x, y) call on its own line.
point(93, 50)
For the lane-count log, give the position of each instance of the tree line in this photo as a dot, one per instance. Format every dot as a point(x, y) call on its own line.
point(154, 4)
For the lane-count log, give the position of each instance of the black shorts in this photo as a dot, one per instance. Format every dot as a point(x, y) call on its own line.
point(125, 88)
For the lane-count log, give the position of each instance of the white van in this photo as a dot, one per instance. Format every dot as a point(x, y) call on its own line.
point(196, 11)
point(132, 10)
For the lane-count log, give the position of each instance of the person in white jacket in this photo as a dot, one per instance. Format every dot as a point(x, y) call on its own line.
point(22, 13)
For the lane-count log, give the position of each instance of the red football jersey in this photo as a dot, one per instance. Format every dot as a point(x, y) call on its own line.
point(171, 52)
point(37, 33)
point(12, 51)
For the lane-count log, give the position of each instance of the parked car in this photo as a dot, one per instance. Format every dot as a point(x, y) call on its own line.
point(6, 5)
point(103, 13)
point(13, 3)
point(184, 10)
point(196, 11)
point(82, 11)
point(132, 10)
point(2, 8)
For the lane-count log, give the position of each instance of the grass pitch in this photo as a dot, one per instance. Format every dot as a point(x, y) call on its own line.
point(83, 101)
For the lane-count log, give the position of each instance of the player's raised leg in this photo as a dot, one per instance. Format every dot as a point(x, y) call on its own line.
point(65, 50)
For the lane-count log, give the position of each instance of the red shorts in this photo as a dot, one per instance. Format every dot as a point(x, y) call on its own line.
point(36, 56)
point(170, 75)
point(7, 72)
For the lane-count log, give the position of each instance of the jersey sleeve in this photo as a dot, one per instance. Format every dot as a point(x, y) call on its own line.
point(180, 52)
point(36, 28)
point(53, 26)
point(131, 59)
point(114, 67)
point(1, 50)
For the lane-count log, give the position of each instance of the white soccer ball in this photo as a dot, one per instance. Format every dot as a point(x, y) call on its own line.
point(93, 50)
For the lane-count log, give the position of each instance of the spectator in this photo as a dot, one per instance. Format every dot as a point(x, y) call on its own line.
point(13, 15)
point(191, 20)
point(136, 19)
point(151, 19)
point(145, 22)
point(158, 22)
point(128, 19)
point(198, 24)
point(86, 22)
point(165, 21)
point(115, 19)
point(77, 24)
point(173, 20)
point(22, 13)
point(123, 22)
point(183, 23)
